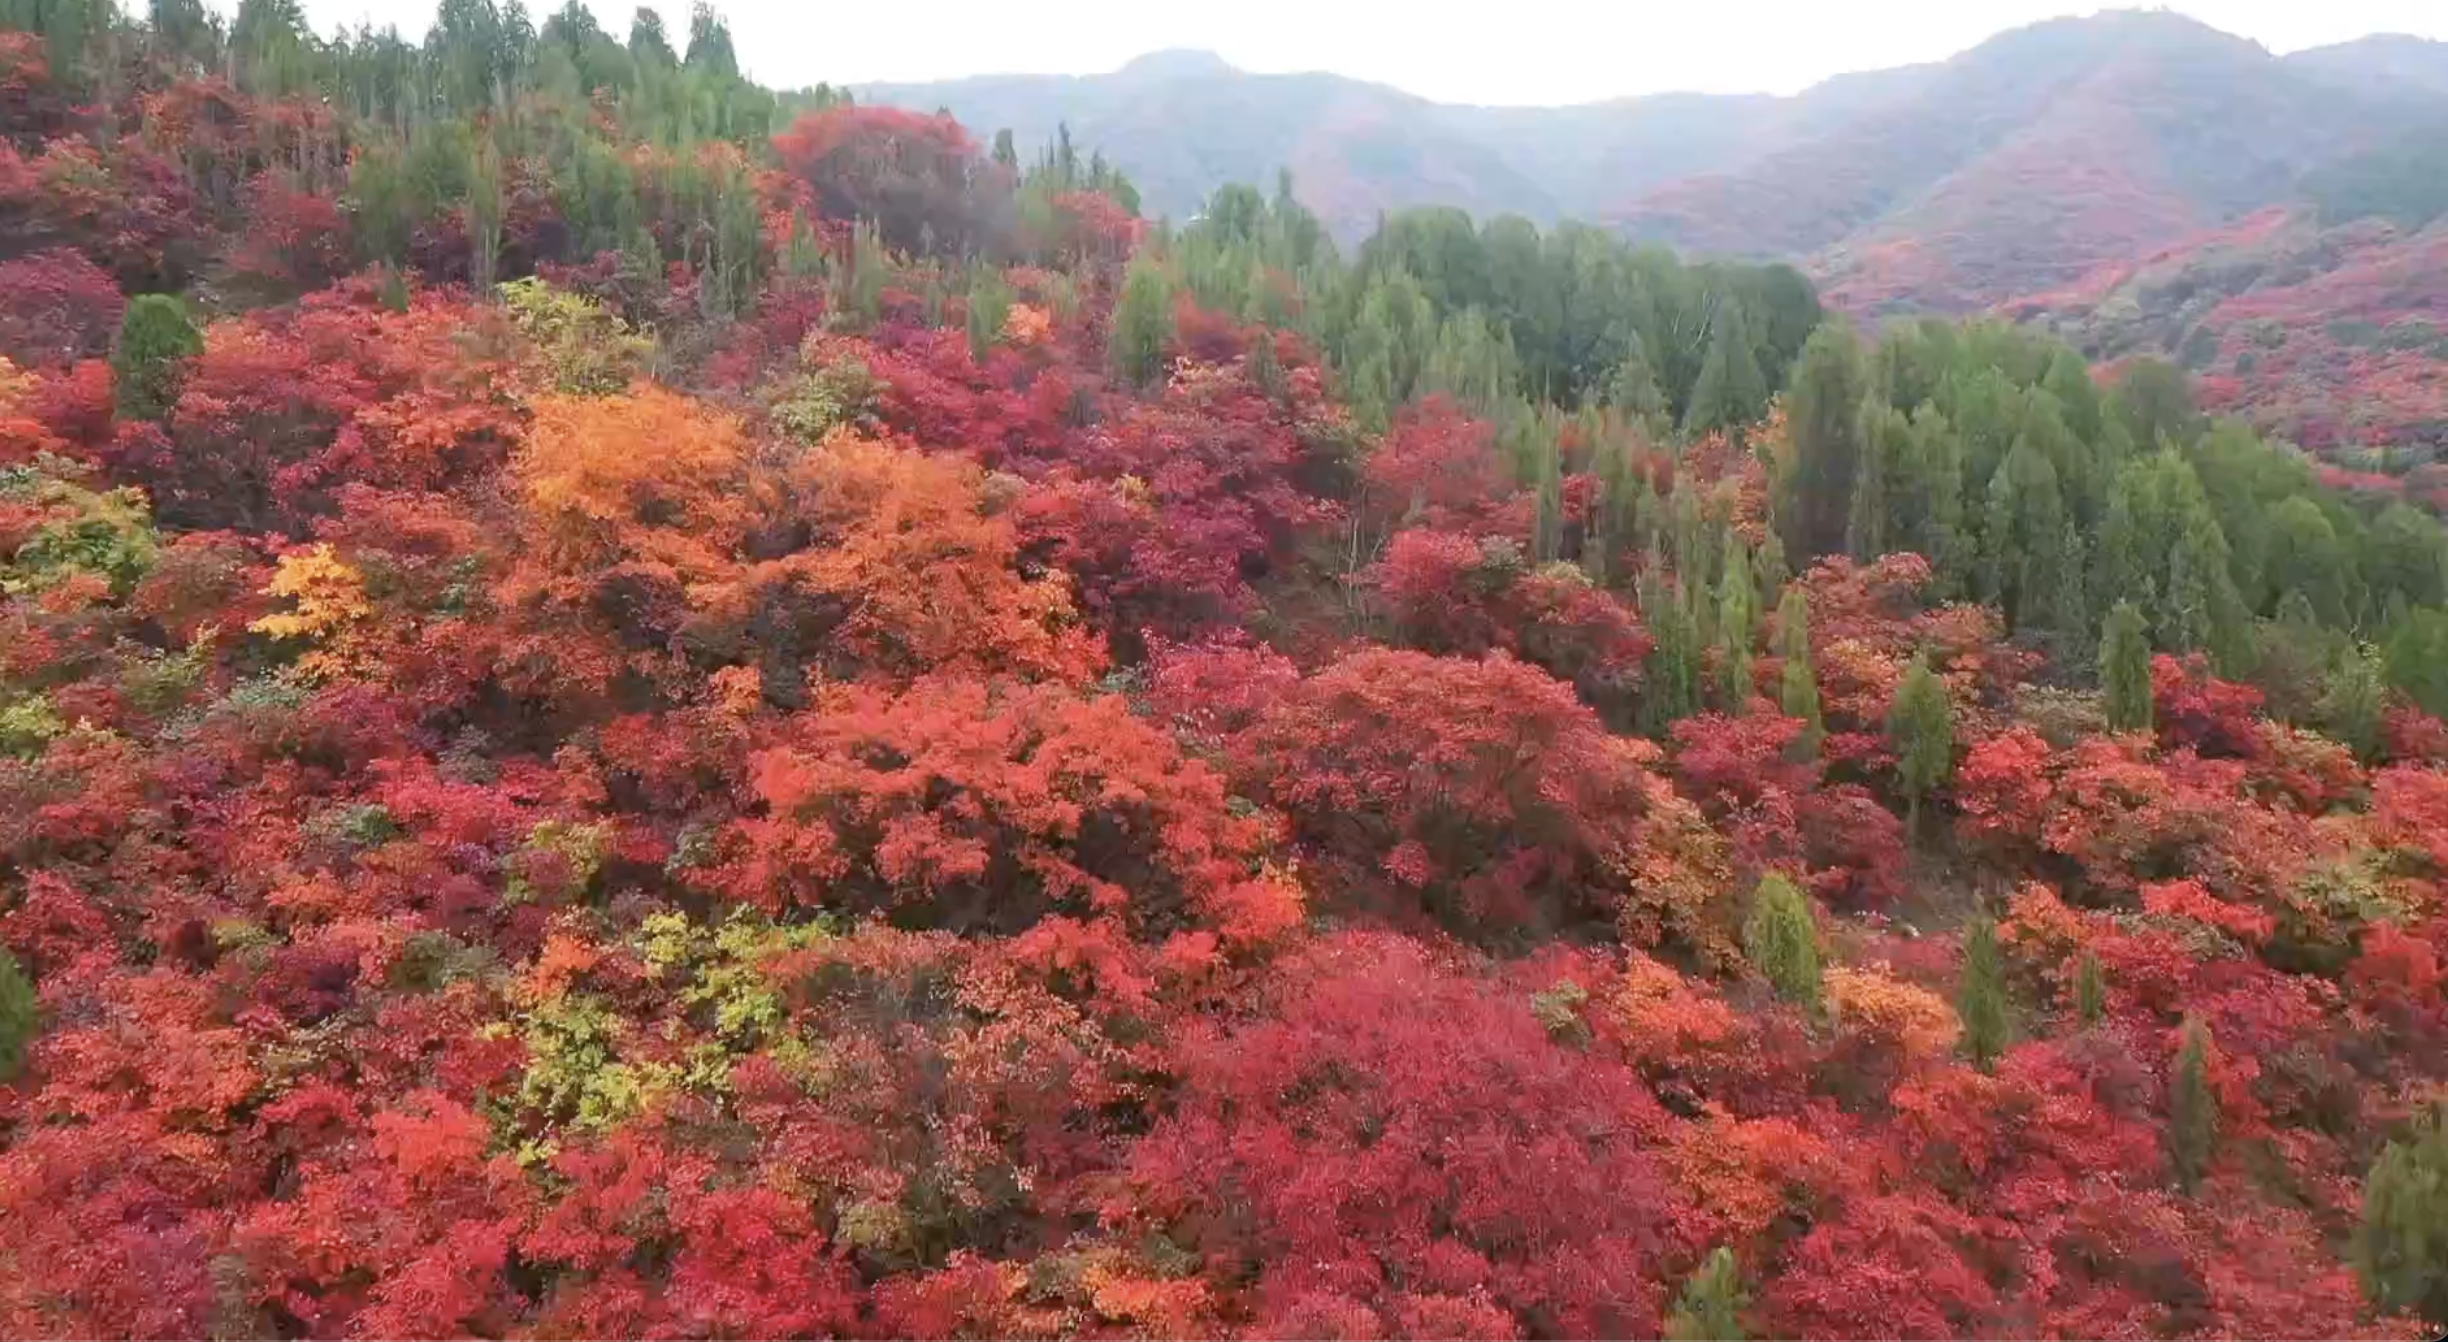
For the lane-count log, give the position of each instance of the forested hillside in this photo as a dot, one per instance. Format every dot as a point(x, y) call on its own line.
point(636, 706)
point(2097, 173)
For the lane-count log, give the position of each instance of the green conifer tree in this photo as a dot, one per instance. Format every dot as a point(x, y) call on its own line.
point(1710, 1308)
point(1980, 997)
point(1730, 391)
point(20, 1015)
point(2090, 991)
point(1737, 618)
point(1798, 683)
point(1885, 438)
point(1921, 731)
point(2193, 1113)
point(2125, 669)
point(1782, 942)
point(2351, 702)
point(1671, 684)
point(1823, 420)
point(1142, 323)
point(989, 304)
point(2401, 1249)
point(148, 365)
point(1265, 368)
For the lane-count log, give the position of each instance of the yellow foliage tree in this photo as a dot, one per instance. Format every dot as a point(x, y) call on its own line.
point(328, 605)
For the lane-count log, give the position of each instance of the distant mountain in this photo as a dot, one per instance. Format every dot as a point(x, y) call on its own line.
point(2387, 58)
point(1182, 123)
point(2018, 167)
point(2032, 159)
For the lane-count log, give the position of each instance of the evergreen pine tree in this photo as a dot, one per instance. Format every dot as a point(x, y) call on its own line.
point(2193, 1116)
point(2401, 1249)
point(1782, 942)
point(2125, 669)
point(148, 364)
point(1921, 731)
point(1980, 998)
point(1710, 1308)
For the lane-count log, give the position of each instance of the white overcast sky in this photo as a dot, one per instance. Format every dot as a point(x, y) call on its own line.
point(1493, 51)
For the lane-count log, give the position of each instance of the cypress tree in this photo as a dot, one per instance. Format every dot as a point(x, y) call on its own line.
point(2352, 700)
point(2090, 992)
point(2193, 1116)
point(2069, 608)
point(20, 1015)
point(2125, 669)
point(1797, 683)
point(1633, 389)
point(989, 304)
point(1547, 468)
point(1266, 369)
point(1710, 1308)
point(2024, 527)
point(1737, 616)
point(1883, 435)
point(1730, 391)
point(1824, 419)
point(1671, 684)
point(1142, 324)
point(2401, 1249)
point(148, 364)
point(1781, 941)
point(1768, 563)
point(1980, 999)
point(1921, 731)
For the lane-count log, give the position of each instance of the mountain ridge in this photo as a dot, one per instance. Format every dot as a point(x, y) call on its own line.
point(2182, 127)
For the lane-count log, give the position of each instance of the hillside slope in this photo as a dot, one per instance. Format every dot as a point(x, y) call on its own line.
point(2031, 160)
point(2336, 335)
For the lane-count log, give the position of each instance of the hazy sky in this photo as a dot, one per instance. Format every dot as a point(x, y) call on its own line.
point(1510, 51)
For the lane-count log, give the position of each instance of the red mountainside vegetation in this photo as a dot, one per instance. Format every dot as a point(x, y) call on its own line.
point(633, 706)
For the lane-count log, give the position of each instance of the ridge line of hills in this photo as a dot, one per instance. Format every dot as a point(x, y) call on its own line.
point(1878, 146)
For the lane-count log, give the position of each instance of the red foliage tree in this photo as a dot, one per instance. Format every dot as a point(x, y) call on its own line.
point(917, 178)
point(56, 307)
point(1394, 1147)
